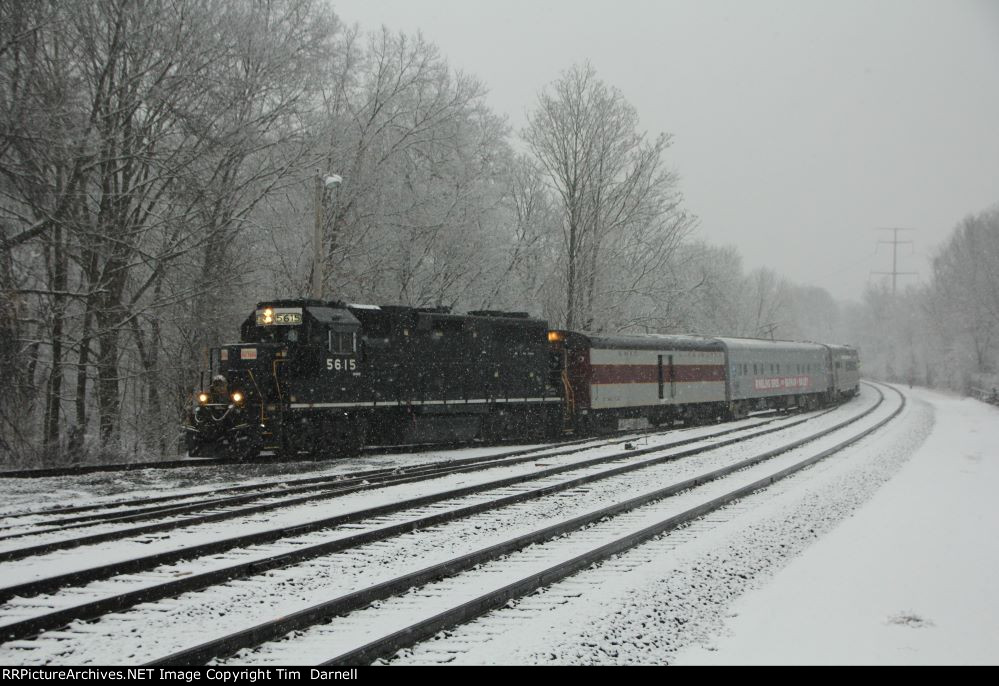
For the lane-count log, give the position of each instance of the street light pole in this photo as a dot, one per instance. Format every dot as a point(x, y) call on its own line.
point(322, 183)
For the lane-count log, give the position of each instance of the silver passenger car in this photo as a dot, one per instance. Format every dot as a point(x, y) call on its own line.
point(764, 373)
point(844, 367)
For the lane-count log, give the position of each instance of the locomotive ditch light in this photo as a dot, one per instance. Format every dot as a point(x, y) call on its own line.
point(202, 398)
point(237, 397)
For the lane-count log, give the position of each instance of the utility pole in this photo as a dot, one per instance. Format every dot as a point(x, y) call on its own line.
point(318, 260)
point(317, 240)
point(895, 273)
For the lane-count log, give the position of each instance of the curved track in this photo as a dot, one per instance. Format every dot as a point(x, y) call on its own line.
point(136, 509)
point(382, 525)
point(299, 552)
point(266, 459)
point(186, 514)
point(459, 601)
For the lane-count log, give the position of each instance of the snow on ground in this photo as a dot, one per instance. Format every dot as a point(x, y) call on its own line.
point(30, 495)
point(910, 579)
point(883, 554)
point(74, 559)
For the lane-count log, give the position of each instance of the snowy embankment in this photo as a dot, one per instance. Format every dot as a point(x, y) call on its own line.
point(911, 578)
point(882, 554)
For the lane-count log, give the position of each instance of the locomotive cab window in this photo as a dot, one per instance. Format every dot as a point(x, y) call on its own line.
point(342, 342)
point(272, 334)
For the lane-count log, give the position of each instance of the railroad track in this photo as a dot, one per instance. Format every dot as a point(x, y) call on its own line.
point(553, 494)
point(188, 462)
point(296, 549)
point(19, 524)
point(264, 459)
point(140, 509)
point(378, 621)
point(119, 510)
point(171, 513)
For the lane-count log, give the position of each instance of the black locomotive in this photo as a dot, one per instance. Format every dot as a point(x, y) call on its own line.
point(320, 377)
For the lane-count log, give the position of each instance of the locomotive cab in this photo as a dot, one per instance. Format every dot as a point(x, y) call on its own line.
point(309, 339)
point(291, 352)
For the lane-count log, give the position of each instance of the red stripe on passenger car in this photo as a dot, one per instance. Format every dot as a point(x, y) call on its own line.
point(649, 373)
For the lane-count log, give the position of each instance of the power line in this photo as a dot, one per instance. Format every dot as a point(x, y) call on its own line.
point(895, 273)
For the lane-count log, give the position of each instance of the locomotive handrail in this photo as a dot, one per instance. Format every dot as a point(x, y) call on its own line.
point(277, 381)
point(260, 395)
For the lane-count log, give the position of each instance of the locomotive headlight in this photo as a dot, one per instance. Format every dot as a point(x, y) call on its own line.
point(237, 397)
point(268, 316)
point(554, 337)
point(202, 398)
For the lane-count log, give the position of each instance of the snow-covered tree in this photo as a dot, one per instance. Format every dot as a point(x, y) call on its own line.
point(621, 213)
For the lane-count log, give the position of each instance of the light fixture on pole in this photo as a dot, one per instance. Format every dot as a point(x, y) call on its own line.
point(322, 183)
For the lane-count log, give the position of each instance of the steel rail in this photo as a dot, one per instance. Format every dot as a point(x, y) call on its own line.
point(338, 484)
point(225, 461)
point(151, 561)
point(489, 601)
point(333, 492)
point(305, 480)
point(248, 638)
point(81, 470)
point(90, 610)
point(163, 504)
point(113, 467)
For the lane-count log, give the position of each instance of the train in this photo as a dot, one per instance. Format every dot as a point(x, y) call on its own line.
point(326, 378)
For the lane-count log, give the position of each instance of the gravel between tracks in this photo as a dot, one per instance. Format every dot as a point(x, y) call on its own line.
point(646, 605)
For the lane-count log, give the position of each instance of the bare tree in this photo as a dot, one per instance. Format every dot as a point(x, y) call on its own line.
point(137, 140)
point(418, 152)
point(523, 242)
point(764, 304)
point(965, 289)
point(619, 205)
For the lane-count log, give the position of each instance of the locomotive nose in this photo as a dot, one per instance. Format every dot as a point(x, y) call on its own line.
point(249, 372)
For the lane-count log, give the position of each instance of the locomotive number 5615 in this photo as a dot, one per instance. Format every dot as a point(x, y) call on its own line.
point(339, 365)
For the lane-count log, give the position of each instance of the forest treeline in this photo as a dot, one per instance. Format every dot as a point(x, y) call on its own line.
point(160, 172)
point(945, 333)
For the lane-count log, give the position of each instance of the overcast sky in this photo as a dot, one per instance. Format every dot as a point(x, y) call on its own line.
point(799, 126)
